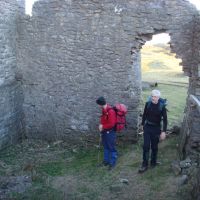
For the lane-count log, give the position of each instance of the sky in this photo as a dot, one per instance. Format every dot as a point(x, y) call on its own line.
point(196, 3)
point(28, 6)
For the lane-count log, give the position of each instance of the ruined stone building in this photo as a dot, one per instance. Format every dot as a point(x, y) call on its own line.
point(55, 63)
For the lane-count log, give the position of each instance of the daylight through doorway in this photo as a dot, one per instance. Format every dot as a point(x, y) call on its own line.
point(161, 70)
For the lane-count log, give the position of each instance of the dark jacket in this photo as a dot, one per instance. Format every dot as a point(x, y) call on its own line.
point(153, 115)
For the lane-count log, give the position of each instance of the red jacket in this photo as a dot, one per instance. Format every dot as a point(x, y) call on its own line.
point(108, 118)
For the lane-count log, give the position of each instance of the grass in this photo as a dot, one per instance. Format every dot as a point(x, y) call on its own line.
point(161, 178)
point(9, 156)
point(53, 168)
point(82, 179)
point(160, 55)
point(39, 192)
point(159, 65)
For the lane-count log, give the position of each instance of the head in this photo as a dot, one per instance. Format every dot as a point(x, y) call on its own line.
point(155, 95)
point(101, 101)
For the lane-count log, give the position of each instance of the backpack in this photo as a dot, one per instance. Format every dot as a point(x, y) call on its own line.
point(121, 111)
point(162, 103)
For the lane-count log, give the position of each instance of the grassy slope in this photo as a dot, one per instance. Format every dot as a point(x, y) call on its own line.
point(159, 65)
point(171, 81)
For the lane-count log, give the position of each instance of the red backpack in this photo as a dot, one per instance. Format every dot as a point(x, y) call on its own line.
point(121, 111)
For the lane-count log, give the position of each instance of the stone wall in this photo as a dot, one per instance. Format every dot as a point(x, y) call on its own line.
point(189, 145)
point(11, 94)
point(21, 6)
point(71, 52)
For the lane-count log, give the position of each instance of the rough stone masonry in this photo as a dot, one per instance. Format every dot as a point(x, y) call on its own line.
point(70, 52)
point(11, 96)
point(57, 62)
point(54, 64)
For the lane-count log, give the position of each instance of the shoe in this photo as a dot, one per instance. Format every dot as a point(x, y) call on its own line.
point(142, 169)
point(111, 167)
point(104, 163)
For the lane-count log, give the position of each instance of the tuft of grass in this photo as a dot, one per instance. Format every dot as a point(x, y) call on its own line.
point(9, 155)
point(52, 168)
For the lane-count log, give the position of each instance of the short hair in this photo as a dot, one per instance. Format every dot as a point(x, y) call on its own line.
point(101, 101)
point(155, 93)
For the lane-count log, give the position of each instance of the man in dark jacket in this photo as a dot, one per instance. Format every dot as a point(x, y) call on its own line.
point(108, 134)
point(154, 113)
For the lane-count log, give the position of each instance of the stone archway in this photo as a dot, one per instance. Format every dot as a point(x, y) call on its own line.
point(189, 139)
point(188, 52)
point(161, 70)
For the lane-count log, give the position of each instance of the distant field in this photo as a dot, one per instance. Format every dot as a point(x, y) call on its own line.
point(158, 64)
point(159, 57)
point(161, 66)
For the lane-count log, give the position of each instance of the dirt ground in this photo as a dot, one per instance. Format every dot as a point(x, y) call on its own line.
point(58, 171)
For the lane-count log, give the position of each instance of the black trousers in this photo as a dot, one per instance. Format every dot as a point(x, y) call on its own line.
point(151, 139)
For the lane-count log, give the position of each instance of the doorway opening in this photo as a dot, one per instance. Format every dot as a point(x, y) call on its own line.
point(161, 70)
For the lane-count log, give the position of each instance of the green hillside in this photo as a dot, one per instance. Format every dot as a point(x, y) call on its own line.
point(160, 65)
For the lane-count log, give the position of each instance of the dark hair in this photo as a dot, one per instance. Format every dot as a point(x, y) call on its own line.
point(101, 101)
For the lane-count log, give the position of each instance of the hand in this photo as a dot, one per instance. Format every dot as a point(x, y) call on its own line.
point(162, 136)
point(100, 127)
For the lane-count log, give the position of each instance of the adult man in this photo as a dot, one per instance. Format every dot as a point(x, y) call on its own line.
point(154, 113)
point(108, 134)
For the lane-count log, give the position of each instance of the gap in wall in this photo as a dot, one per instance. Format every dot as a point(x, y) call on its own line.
point(161, 70)
point(28, 6)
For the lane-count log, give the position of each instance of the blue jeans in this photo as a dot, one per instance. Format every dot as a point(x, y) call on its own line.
point(109, 144)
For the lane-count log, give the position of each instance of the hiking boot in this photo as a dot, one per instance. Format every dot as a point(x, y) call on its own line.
point(142, 169)
point(111, 167)
point(104, 163)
